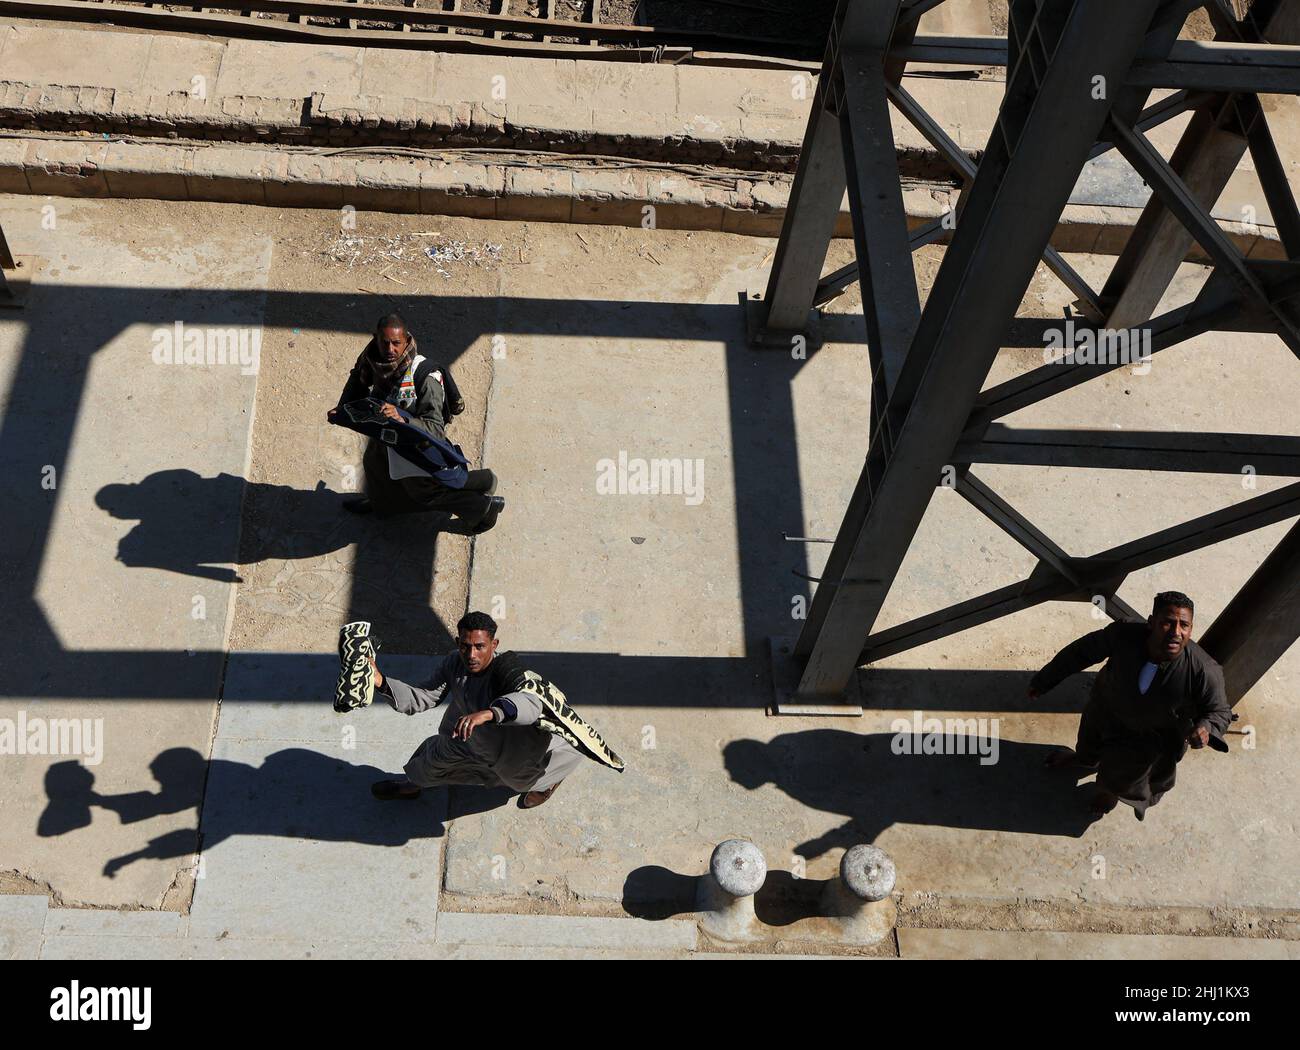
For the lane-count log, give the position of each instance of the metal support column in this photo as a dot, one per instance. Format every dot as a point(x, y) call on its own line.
point(1262, 622)
point(1047, 126)
point(860, 26)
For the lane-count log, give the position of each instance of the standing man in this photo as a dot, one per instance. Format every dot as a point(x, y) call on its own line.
point(415, 391)
point(503, 725)
point(1158, 694)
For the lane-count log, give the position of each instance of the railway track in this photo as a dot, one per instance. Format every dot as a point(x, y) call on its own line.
point(462, 25)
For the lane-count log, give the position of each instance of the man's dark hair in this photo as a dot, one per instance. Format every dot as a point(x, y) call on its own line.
point(1177, 599)
point(477, 621)
point(391, 321)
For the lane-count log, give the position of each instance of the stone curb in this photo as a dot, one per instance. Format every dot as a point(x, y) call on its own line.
point(543, 193)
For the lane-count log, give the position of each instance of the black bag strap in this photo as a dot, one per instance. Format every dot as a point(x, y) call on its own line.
point(452, 403)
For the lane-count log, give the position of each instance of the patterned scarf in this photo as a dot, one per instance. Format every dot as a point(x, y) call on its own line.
point(381, 375)
point(559, 718)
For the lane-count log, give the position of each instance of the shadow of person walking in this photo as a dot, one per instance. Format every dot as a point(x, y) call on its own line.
point(185, 527)
point(294, 793)
point(861, 778)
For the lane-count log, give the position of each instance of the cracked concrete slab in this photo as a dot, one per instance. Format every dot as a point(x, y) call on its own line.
point(288, 811)
point(22, 925)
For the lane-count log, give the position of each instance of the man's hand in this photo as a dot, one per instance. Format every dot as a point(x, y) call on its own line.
point(389, 411)
point(379, 679)
point(469, 723)
point(1199, 737)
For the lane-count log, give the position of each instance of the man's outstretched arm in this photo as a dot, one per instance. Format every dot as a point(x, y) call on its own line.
point(1082, 652)
point(412, 699)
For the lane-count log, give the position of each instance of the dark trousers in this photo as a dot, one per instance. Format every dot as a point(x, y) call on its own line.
point(413, 495)
point(1137, 767)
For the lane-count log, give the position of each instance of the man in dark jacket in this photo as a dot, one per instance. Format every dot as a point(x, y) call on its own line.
point(502, 724)
point(393, 371)
point(1158, 694)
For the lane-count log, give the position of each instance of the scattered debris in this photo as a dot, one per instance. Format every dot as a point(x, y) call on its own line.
point(353, 251)
point(463, 252)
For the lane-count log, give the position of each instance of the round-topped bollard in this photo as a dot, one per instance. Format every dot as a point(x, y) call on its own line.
point(868, 872)
point(738, 867)
point(860, 901)
point(725, 897)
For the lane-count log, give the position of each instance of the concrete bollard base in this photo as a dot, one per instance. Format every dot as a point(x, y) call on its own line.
point(854, 920)
point(724, 917)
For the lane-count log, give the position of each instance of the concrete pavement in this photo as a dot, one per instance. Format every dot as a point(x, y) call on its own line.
point(651, 611)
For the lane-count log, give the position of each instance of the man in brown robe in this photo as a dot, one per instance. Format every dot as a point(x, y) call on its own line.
point(1158, 693)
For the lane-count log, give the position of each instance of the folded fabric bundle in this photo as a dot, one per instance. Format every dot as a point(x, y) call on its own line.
point(356, 685)
point(559, 718)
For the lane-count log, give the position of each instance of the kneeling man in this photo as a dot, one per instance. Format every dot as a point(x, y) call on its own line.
point(504, 725)
point(1158, 693)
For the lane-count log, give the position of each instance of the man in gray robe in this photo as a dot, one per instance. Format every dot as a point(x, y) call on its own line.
point(1158, 694)
point(503, 725)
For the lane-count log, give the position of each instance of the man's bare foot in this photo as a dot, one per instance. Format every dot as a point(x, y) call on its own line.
point(1102, 803)
point(1066, 759)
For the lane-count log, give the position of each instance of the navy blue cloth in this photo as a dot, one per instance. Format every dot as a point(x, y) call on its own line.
point(441, 459)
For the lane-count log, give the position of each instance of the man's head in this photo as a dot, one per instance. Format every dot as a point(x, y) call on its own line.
point(1171, 625)
point(476, 638)
point(391, 338)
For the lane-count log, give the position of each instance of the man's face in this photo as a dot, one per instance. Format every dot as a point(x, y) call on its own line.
point(477, 649)
point(392, 343)
point(1171, 629)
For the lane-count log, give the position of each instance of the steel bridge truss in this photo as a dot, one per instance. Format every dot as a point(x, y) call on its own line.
point(1079, 80)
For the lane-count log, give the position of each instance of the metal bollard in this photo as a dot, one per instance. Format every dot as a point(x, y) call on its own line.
point(860, 901)
point(725, 897)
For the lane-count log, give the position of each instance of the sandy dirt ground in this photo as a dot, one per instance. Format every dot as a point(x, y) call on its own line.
point(306, 565)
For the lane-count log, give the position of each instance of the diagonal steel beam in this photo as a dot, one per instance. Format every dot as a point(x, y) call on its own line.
point(1271, 172)
point(1043, 135)
point(959, 160)
point(1217, 306)
point(1033, 539)
point(1182, 204)
point(1097, 573)
point(1262, 622)
point(1205, 158)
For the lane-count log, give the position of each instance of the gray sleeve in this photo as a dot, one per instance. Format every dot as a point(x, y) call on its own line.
point(412, 699)
point(426, 413)
point(517, 709)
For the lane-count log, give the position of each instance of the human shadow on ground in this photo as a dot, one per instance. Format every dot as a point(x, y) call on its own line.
point(295, 793)
point(182, 528)
point(861, 780)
